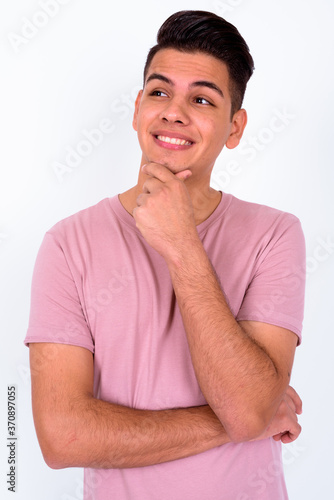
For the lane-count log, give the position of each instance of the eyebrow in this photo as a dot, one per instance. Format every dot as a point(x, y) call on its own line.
point(200, 83)
point(157, 76)
point(210, 85)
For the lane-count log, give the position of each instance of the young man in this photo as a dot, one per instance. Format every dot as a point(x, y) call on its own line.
point(164, 321)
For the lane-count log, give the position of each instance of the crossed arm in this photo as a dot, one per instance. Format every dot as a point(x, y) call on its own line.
point(243, 368)
point(75, 429)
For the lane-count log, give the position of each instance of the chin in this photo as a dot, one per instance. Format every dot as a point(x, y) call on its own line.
point(172, 167)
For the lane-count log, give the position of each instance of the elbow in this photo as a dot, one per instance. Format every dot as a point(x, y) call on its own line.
point(56, 445)
point(55, 457)
point(53, 461)
point(58, 455)
point(244, 427)
point(242, 433)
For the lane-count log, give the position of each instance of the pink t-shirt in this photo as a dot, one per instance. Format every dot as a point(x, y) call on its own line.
point(97, 284)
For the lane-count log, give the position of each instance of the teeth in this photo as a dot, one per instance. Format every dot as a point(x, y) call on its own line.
point(173, 140)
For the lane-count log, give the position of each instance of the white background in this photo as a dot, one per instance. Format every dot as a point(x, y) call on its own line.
point(83, 65)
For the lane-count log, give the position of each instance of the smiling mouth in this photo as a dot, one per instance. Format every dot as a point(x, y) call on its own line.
point(174, 140)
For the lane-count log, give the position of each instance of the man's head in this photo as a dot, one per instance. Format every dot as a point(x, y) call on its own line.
point(199, 31)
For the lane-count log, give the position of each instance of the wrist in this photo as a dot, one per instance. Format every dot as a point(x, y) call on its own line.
point(185, 255)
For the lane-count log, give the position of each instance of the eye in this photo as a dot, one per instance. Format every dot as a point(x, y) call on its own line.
point(202, 100)
point(158, 93)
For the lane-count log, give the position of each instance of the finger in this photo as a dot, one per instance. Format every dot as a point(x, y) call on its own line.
point(151, 184)
point(158, 171)
point(136, 213)
point(290, 402)
point(289, 437)
point(296, 399)
point(163, 173)
point(141, 199)
point(292, 434)
point(184, 174)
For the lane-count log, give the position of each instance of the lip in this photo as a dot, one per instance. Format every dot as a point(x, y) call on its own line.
point(172, 135)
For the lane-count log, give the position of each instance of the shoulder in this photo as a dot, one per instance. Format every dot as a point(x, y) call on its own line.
point(87, 224)
point(260, 218)
point(256, 229)
point(247, 210)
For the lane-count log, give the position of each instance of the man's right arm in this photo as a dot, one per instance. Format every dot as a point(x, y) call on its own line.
point(75, 429)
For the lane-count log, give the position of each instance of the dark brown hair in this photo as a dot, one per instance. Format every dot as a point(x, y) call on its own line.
point(200, 31)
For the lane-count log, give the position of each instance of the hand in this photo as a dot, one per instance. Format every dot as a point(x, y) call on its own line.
point(164, 212)
point(284, 426)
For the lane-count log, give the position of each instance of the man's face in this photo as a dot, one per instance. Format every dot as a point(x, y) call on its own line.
point(183, 114)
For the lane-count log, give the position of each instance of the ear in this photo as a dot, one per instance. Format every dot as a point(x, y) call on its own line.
point(136, 111)
point(239, 122)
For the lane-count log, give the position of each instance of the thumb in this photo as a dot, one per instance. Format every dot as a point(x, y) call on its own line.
point(184, 174)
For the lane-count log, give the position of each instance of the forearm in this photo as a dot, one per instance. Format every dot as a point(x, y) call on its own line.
point(237, 377)
point(102, 435)
point(242, 383)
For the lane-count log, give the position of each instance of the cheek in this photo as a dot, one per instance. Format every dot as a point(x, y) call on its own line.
point(216, 136)
point(144, 118)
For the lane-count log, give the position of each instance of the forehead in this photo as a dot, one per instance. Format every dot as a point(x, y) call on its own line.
point(189, 66)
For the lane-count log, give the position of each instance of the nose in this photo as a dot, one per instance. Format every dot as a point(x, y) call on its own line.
point(175, 112)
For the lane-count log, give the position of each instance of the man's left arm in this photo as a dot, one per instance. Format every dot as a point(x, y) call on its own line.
point(243, 368)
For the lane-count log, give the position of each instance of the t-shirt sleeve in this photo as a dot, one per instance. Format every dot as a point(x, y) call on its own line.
point(56, 314)
point(275, 294)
